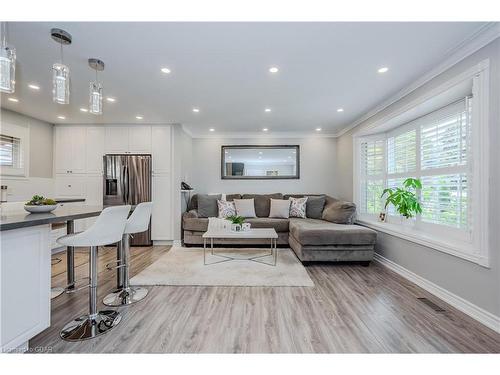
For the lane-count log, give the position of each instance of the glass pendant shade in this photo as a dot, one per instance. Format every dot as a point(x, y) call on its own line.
point(60, 83)
point(7, 69)
point(95, 98)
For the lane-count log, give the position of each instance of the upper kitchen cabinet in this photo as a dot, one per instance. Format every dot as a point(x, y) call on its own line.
point(161, 148)
point(70, 149)
point(116, 139)
point(95, 149)
point(128, 139)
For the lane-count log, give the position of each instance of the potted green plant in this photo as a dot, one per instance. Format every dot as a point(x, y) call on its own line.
point(404, 198)
point(236, 222)
point(39, 204)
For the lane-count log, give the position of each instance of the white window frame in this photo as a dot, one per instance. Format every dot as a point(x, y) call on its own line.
point(23, 133)
point(474, 246)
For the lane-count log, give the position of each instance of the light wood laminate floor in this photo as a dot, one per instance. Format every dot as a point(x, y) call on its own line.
point(351, 309)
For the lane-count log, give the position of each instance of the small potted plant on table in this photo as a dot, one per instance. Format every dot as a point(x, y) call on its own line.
point(236, 222)
point(39, 204)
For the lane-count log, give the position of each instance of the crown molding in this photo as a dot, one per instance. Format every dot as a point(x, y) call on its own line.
point(263, 135)
point(482, 37)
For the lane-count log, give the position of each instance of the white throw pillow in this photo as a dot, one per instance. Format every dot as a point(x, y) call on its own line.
point(226, 208)
point(298, 207)
point(280, 208)
point(245, 207)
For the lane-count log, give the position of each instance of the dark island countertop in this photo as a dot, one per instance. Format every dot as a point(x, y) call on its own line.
point(69, 200)
point(22, 219)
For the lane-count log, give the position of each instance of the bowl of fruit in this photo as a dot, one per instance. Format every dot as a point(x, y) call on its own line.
point(39, 204)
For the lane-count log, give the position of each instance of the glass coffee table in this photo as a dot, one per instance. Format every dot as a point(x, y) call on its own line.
point(255, 233)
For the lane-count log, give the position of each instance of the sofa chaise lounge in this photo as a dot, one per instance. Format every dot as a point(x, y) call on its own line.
point(331, 236)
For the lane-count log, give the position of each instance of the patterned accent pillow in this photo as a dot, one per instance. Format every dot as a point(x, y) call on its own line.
point(298, 207)
point(226, 208)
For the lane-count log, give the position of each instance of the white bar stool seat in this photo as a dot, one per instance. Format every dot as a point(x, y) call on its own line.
point(138, 222)
point(107, 229)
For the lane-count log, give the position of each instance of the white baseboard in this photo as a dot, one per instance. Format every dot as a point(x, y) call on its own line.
point(484, 317)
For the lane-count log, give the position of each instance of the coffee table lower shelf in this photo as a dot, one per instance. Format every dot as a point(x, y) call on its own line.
point(263, 233)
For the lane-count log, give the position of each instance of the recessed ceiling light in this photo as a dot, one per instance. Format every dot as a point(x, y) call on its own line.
point(165, 70)
point(340, 110)
point(196, 110)
point(265, 129)
point(15, 100)
point(110, 99)
point(61, 117)
point(84, 110)
point(260, 152)
point(318, 129)
point(139, 117)
point(267, 110)
point(383, 69)
point(33, 86)
point(273, 69)
point(212, 129)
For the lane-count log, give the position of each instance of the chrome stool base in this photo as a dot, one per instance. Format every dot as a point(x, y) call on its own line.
point(56, 292)
point(85, 327)
point(125, 296)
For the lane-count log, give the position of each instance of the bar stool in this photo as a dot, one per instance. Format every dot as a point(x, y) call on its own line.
point(107, 229)
point(125, 294)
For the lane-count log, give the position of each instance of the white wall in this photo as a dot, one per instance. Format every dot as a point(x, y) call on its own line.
point(476, 284)
point(317, 167)
point(39, 180)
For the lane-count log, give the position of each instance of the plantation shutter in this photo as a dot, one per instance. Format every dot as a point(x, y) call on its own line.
point(372, 172)
point(9, 151)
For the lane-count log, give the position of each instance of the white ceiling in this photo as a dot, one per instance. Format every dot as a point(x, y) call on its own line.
point(222, 69)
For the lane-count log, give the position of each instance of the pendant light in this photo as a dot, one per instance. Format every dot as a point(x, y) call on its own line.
point(95, 97)
point(7, 64)
point(60, 72)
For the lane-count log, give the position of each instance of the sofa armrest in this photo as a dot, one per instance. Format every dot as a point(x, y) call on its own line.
point(339, 212)
point(191, 214)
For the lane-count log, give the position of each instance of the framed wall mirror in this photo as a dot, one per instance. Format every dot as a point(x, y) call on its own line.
point(260, 162)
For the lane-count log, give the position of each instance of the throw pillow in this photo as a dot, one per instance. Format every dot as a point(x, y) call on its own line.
point(314, 206)
point(280, 208)
point(298, 207)
point(207, 205)
point(245, 207)
point(226, 208)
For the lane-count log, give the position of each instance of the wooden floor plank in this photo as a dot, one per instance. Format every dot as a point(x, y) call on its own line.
point(351, 309)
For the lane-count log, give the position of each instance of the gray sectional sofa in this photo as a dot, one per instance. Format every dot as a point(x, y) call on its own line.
point(329, 235)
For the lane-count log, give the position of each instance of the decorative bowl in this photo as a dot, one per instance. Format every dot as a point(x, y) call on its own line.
point(34, 209)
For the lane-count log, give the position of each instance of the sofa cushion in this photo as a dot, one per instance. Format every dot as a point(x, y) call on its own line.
point(339, 212)
point(320, 232)
point(245, 207)
point(262, 202)
point(279, 208)
point(280, 225)
point(207, 205)
point(314, 206)
point(193, 203)
point(226, 209)
point(198, 224)
point(298, 207)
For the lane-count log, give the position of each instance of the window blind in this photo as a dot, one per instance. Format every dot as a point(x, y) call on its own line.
point(9, 151)
point(402, 152)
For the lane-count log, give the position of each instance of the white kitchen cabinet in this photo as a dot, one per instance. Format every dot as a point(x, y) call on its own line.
point(93, 190)
point(95, 149)
point(161, 219)
point(68, 186)
point(128, 139)
point(116, 139)
point(24, 286)
point(70, 149)
point(139, 139)
point(161, 149)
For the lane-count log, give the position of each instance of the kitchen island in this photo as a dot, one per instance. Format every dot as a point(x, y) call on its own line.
point(25, 264)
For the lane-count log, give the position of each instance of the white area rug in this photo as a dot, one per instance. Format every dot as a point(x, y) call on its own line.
point(184, 266)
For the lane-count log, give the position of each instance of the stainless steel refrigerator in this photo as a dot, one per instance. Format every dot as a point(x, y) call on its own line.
point(127, 180)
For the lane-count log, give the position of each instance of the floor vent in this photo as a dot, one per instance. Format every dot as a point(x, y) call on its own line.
point(431, 304)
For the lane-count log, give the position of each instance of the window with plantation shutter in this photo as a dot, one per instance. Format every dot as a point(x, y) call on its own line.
point(442, 140)
point(10, 151)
